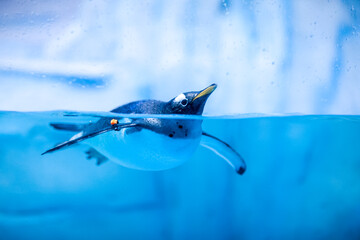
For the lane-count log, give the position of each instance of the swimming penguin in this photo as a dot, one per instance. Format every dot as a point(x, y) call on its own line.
point(151, 143)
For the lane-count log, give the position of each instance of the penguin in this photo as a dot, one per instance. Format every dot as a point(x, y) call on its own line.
point(151, 143)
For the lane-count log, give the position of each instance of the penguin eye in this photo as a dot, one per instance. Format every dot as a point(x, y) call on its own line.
point(184, 102)
point(181, 100)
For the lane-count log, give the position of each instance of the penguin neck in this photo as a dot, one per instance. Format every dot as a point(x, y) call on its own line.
point(174, 128)
point(189, 110)
point(182, 128)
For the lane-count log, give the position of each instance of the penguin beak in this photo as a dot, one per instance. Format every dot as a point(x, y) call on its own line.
point(206, 92)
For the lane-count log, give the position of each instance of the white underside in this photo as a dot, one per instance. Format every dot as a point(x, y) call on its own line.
point(144, 150)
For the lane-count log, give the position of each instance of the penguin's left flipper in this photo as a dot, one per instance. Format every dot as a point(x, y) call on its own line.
point(93, 153)
point(225, 151)
point(72, 141)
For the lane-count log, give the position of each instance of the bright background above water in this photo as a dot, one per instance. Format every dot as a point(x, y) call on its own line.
point(266, 56)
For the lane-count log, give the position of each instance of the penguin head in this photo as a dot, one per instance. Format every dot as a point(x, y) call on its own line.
point(190, 102)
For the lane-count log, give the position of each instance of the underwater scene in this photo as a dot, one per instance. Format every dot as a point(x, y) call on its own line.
point(186, 119)
point(302, 181)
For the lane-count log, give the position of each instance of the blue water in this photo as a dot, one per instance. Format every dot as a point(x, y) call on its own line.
point(302, 181)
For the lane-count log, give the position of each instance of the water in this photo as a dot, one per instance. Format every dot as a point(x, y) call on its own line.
point(302, 181)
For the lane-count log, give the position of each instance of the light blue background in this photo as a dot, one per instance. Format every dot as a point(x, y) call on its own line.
point(266, 57)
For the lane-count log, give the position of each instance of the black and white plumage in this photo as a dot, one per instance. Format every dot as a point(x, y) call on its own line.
point(151, 143)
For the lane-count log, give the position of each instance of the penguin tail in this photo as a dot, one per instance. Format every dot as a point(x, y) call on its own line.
point(72, 127)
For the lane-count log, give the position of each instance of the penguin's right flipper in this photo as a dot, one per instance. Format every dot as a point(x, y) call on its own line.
point(225, 151)
point(93, 153)
point(80, 137)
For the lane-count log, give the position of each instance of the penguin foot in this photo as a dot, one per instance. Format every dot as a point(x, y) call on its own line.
point(93, 153)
